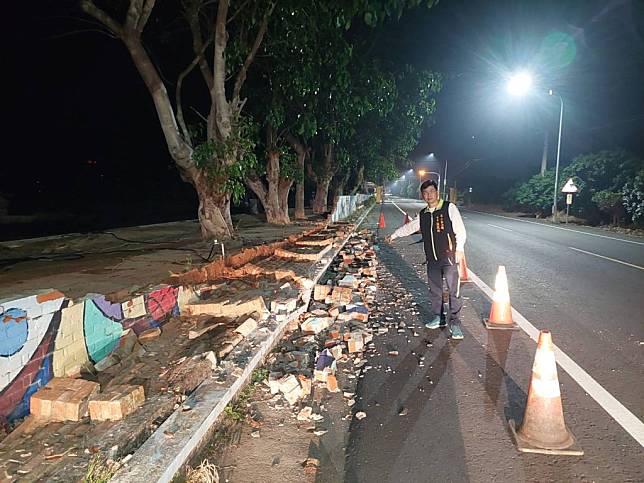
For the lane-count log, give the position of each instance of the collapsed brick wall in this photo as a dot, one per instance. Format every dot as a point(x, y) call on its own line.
point(47, 335)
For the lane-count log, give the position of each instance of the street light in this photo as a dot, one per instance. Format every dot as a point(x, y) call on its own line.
point(518, 85)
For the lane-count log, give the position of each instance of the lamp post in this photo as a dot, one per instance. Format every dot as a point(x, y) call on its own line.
point(518, 85)
point(554, 194)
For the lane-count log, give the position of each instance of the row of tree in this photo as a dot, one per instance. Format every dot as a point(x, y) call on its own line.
point(268, 90)
point(611, 188)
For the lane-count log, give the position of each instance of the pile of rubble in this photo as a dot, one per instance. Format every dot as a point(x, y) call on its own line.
point(151, 373)
point(332, 332)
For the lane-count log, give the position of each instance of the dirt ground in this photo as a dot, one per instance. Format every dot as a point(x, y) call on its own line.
point(123, 258)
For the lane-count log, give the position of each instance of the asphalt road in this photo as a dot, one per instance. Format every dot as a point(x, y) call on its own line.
point(439, 410)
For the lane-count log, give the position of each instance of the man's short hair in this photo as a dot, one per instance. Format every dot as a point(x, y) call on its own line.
point(427, 184)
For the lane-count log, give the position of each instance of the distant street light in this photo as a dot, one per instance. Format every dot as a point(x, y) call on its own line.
point(422, 173)
point(518, 85)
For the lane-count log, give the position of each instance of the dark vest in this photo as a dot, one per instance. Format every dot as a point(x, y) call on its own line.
point(438, 234)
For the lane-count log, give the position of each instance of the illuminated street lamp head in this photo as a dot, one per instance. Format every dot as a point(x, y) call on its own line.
point(519, 83)
point(421, 172)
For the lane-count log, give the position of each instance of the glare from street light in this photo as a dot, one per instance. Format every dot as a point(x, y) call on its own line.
point(422, 172)
point(519, 83)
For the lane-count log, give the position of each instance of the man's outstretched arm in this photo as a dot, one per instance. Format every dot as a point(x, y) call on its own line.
point(408, 229)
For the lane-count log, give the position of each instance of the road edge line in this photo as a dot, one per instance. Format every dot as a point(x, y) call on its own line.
point(555, 227)
point(615, 409)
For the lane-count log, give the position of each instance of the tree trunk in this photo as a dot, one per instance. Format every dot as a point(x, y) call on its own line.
point(323, 180)
point(321, 195)
point(301, 151)
point(300, 214)
point(214, 210)
point(299, 188)
point(359, 180)
point(273, 195)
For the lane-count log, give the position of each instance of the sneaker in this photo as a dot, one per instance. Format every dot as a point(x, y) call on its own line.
point(435, 323)
point(456, 332)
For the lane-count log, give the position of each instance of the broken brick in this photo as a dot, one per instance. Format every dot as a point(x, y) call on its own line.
point(63, 399)
point(116, 403)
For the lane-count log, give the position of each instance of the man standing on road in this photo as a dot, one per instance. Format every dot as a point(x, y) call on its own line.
point(444, 236)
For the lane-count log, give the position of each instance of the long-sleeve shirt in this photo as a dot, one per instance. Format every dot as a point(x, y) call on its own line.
point(457, 225)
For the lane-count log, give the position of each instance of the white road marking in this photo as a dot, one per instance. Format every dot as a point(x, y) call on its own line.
point(606, 258)
point(401, 210)
point(500, 227)
point(606, 400)
point(560, 228)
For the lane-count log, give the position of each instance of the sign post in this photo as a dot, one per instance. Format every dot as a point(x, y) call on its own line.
point(569, 188)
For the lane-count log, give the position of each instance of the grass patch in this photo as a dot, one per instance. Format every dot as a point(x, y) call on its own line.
point(100, 469)
point(237, 409)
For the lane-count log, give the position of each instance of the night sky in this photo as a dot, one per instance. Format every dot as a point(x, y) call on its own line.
point(83, 138)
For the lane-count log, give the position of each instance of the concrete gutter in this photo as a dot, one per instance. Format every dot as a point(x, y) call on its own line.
point(180, 436)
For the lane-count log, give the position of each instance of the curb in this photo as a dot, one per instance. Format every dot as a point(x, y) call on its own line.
point(161, 457)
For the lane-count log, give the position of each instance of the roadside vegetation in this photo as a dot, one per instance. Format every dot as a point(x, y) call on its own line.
point(611, 190)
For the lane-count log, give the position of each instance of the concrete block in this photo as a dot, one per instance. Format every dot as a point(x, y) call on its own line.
point(247, 327)
point(316, 324)
point(116, 403)
point(63, 399)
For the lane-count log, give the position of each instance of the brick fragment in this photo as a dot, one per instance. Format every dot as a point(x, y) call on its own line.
point(342, 295)
point(205, 323)
point(116, 403)
point(149, 334)
point(63, 399)
point(247, 327)
point(332, 383)
point(321, 292)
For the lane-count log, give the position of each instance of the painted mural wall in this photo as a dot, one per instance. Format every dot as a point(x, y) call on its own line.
point(46, 335)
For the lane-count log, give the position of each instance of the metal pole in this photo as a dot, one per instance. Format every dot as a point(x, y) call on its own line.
point(445, 182)
point(554, 196)
point(544, 158)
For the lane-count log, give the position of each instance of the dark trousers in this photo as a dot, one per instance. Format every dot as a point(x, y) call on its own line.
point(436, 270)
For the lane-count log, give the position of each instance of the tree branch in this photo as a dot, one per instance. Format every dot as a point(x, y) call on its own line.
point(241, 76)
point(198, 47)
point(184, 73)
point(257, 186)
point(145, 14)
point(220, 108)
point(241, 7)
point(92, 10)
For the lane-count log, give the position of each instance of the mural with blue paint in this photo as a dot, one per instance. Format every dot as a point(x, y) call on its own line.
point(13, 331)
point(102, 334)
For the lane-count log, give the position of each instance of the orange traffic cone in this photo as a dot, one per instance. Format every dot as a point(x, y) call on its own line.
point(543, 429)
point(501, 311)
point(381, 222)
point(406, 219)
point(462, 270)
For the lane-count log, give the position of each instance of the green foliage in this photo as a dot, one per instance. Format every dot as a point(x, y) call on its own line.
point(237, 409)
point(289, 168)
point(633, 197)
point(607, 200)
point(259, 375)
point(227, 163)
point(536, 193)
point(607, 181)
